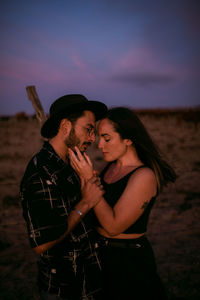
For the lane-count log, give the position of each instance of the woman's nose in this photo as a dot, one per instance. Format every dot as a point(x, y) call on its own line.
point(100, 144)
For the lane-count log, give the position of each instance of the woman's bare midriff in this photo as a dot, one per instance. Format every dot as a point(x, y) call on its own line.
point(102, 232)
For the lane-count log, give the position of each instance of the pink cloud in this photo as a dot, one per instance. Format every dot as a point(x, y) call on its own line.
point(144, 60)
point(138, 59)
point(24, 71)
point(20, 68)
point(78, 62)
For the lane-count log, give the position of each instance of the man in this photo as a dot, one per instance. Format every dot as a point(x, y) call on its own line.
point(57, 211)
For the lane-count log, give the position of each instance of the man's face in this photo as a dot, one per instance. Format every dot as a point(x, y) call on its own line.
point(82, 133)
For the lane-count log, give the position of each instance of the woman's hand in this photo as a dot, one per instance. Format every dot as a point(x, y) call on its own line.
point(81, 164)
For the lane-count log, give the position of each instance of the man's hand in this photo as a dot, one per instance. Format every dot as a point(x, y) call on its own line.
point(92, 192)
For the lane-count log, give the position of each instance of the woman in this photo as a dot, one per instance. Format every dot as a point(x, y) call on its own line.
point(133, 178)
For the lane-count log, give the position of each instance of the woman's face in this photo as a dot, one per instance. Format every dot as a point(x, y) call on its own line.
point(110, 142)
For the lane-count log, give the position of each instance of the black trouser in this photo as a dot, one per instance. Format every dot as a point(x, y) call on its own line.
point(129, 271)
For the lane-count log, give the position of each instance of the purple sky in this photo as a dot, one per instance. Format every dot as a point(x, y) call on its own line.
point(140, 53)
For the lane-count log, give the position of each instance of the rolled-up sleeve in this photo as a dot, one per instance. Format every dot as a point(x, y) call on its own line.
point(44, 211)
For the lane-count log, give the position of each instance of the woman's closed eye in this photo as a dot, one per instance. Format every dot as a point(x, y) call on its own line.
point(106, 140)
point(106, 137)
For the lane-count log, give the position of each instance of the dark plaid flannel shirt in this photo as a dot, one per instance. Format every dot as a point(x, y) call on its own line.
point(49, 191)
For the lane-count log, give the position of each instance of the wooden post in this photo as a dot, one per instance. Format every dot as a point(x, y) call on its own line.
point(33, 97)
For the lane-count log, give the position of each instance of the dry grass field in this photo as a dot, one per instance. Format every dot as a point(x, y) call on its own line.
point(174, 222)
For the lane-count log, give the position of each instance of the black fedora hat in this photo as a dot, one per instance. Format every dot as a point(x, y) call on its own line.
point(67, 105)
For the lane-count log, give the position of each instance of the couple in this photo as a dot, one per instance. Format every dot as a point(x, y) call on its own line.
point(90, 230)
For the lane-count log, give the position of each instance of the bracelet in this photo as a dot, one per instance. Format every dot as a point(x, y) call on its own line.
point(79, 212)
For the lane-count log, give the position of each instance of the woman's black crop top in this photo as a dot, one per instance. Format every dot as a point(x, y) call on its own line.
point(114, 190)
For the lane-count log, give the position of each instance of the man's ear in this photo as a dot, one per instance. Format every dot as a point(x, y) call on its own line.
point(65, 126)
point(128, 142)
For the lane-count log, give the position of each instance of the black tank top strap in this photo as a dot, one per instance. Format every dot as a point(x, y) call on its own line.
point(129, 174)
point(105, 169)
point(142, 166)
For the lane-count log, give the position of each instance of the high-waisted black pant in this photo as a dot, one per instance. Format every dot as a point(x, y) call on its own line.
point(129, 271)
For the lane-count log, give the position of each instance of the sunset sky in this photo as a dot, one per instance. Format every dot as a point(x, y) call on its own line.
point(122, 52)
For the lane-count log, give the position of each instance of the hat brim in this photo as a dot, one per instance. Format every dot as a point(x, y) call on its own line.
point(98, 108)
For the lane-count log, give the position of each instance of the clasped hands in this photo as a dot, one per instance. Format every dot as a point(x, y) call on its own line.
point(90, 181)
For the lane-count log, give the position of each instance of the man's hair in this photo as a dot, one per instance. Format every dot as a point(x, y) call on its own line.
point(71, 117)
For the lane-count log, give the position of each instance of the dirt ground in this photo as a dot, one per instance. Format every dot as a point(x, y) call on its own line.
point(174, 229)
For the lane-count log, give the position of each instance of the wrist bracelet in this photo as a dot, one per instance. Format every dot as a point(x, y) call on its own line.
point(79, 212)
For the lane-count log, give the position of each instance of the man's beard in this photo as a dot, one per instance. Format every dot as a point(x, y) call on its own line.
point(72, 140)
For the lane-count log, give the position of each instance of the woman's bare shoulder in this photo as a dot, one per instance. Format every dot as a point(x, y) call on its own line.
point(144, 173)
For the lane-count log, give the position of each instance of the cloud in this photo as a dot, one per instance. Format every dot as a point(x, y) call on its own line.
point(143, 79)
point(141, 66)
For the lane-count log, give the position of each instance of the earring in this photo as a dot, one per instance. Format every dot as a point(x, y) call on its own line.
point(129, 142)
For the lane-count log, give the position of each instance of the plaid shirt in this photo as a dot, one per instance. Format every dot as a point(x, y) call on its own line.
point(49, 191)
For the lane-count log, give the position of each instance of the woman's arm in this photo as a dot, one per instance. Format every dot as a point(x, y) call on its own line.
point(140, 189)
